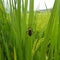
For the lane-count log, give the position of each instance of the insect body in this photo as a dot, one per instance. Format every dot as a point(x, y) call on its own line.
point(29, 31)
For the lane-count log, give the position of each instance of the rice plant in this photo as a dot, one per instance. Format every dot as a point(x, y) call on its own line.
point(20, 36)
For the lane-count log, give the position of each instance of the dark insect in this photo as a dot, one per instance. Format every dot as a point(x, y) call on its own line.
point(29, 31)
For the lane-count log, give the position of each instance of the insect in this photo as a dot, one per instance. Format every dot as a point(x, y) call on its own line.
point(29, 31)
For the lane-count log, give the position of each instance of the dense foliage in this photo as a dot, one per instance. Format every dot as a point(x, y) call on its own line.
point(29, 35)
